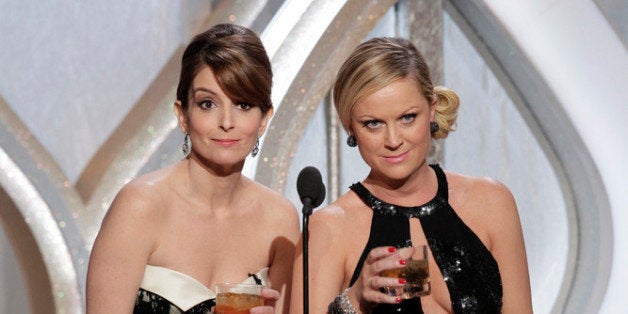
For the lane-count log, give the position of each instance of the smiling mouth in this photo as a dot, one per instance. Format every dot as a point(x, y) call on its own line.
point(396, 159)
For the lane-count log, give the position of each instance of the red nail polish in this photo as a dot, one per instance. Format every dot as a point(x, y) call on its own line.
point(391, 249)
point(402, 281)
point(398, 299)
point(402, 262)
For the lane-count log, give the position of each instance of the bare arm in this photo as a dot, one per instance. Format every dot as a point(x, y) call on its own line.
point(509, 250)
point(120, 253)
point(280, 272)
point(326, 263)
point(331, 234)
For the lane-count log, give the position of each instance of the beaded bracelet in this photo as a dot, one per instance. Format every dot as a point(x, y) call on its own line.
point(341, 304)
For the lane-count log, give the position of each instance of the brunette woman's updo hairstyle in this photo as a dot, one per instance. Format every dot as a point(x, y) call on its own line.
point(238, 59)
point(380, 61)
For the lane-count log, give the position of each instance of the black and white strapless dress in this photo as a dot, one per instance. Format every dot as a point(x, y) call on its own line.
point(166, 291)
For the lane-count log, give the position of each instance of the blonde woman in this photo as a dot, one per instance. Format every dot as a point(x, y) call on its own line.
point(390, 109)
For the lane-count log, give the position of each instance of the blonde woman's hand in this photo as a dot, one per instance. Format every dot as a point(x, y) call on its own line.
point(367, 290)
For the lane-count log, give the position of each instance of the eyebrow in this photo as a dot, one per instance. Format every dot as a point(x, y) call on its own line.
point(204, 90)
point(411, 110)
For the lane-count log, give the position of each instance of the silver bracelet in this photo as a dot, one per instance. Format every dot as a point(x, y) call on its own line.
point(342, 305)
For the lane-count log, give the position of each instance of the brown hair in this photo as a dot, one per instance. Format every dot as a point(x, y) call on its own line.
point(380, 61)
point(238, 59)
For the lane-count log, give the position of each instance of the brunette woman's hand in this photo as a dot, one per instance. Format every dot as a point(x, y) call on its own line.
point(367, 290)
point(270, 298)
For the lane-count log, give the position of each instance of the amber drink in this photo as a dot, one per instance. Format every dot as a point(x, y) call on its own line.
point(416, 273)
point(237, 298)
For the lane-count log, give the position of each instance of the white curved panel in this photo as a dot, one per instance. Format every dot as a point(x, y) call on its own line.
point(585, 64)
point(47, 233)
point(493, 139)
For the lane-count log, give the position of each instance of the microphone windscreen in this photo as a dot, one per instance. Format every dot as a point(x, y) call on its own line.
point(310, 185)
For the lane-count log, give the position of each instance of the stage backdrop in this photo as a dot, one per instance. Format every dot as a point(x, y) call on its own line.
point(86, 93)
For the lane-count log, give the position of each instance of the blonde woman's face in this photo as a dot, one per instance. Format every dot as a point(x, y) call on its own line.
point(223, 133)
point(392, 129)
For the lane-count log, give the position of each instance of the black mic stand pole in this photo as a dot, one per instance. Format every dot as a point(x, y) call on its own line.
point(307, 211)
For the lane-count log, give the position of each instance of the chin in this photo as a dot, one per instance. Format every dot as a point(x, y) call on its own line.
point(399, 172)
point(396, 175)
point(225, 161)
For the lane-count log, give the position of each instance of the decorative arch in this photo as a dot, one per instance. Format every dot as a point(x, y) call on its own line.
point(52, 224)
point(588, 209)
point(37, 207)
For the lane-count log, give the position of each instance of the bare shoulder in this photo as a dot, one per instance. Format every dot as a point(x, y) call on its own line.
point(334, 212)
point(338, 216)
point(131, 227)
point(327, 225)
point(485, 204)
point(270, 199)
point(484, 192)
point(278, 210)
point(142, 199)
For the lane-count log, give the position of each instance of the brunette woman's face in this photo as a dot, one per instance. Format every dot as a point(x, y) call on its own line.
point(223, 133)
point(392, 129)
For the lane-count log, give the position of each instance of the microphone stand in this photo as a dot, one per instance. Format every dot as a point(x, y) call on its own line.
point(307, 211)
point(312, 193)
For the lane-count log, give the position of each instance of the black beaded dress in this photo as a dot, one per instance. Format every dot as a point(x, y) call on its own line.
point(468, 267)
point(166, 291)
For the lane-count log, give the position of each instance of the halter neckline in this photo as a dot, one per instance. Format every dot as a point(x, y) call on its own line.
point(388, 209)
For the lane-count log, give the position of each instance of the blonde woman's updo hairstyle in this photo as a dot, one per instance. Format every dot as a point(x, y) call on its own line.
point(381, 61)
point(239, 61)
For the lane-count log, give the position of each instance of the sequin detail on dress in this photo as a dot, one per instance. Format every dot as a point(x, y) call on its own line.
point(468, 267)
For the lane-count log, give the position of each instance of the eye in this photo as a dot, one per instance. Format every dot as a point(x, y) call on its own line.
point(408, 118)
point(244, 107)
point(371, 124)
point(206, 104)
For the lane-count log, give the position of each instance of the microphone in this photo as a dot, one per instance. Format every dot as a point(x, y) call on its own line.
point(310, 188)
point(312, 193)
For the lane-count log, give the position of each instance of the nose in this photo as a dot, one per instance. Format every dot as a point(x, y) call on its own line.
point(226, 119)
point(393, 138)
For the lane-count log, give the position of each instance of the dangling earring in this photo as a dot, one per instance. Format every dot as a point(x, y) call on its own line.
point(434, 127)
point(187, 145)
point(255, 148)
point(351, 141)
